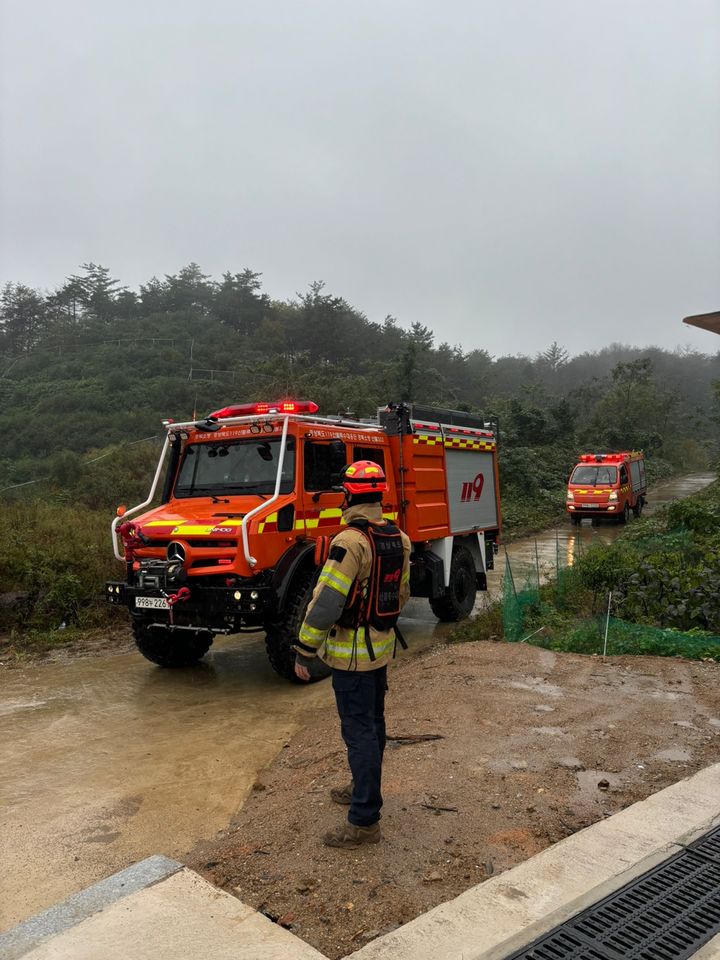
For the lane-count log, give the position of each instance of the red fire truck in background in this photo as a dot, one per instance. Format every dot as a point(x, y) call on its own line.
point(247, 493)
point(607, 484)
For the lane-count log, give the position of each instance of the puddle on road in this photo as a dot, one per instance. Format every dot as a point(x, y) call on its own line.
point(592, 784)
point(18, 706)
point(108, 760)
point(673, 755)
point(534, 684)
point(670, 695)
point(507, 766)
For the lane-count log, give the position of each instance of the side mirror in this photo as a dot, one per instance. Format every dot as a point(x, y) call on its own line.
point(337, 476)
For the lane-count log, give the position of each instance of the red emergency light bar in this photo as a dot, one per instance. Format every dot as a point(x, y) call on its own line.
point(280, 406)
point(604, 457)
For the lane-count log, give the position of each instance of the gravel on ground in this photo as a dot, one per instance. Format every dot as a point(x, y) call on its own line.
point(529, 746)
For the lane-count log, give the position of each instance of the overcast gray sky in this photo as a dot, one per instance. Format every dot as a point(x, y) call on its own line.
point(509, 172)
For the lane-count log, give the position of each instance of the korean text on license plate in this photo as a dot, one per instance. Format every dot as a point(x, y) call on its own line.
point(154, 603)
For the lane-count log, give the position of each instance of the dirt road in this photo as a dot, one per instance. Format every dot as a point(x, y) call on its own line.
point(534, 747)
point(108, 759)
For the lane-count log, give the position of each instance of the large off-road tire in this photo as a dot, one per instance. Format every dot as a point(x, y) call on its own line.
point(280, 635)
point(625, 515)
point(638, 508)
point(459, 597)
point(171, 648)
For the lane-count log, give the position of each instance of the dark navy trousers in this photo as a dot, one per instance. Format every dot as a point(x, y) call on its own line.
point(360, 699)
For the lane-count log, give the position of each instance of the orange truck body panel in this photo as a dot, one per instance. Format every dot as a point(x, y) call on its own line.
point(607, 484)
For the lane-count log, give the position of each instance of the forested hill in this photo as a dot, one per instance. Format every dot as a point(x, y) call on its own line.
point(94, 365)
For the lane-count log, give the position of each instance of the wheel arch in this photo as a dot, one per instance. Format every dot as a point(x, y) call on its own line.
point(475, 543)
point(299, 557)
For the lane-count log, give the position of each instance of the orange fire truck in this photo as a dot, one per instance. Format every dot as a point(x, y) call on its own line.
point(249, 491)
point(607, 484)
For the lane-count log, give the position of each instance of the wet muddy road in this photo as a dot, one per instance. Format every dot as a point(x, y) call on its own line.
point(108, 760)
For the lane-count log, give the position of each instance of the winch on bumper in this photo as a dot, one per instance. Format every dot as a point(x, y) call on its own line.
point(158, 587)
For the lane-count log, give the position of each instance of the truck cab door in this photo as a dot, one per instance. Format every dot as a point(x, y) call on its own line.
point(324, 463)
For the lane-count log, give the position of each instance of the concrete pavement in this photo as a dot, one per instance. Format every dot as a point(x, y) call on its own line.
point(178, 915)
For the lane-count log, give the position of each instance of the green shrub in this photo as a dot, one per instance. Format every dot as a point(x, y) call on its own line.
point(700, 516)
point(56, 559)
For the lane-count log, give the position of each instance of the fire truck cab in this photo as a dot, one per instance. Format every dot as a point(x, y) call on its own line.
point(607, 484)
point(246, 493)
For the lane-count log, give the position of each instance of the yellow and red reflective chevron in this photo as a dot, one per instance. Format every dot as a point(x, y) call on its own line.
point(453, 443)
point(312, 520)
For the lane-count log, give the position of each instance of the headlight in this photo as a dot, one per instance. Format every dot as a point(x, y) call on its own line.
point(570, 495)
point(254, 595)
point(237, 595)
point(613, 496)
point(117, 589)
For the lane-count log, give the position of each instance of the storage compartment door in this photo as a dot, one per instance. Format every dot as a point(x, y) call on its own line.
point(471, 490)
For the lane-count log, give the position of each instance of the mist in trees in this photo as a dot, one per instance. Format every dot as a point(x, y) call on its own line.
point(94, 363)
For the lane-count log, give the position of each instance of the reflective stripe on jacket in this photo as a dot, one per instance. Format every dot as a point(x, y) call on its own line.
point(350, 558)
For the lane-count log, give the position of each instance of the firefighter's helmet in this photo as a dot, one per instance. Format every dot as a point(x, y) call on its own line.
point(364, 476)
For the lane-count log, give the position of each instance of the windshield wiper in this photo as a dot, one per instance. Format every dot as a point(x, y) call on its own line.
point(228, 492)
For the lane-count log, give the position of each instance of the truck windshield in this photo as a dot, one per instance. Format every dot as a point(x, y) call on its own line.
point(595, 476)
point(235, 467)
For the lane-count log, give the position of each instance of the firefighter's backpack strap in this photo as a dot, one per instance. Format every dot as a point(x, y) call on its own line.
point(352, 615)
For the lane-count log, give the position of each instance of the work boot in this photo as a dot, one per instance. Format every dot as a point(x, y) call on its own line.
point(342, 795)
point(348, 836)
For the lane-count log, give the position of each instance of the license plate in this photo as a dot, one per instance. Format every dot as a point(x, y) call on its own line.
point(155, 603)
point(590, 506)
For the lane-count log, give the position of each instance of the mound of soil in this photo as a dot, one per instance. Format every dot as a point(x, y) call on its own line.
point(497, 751)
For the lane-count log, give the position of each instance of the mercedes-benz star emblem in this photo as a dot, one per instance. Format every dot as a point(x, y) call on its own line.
point(176, 552)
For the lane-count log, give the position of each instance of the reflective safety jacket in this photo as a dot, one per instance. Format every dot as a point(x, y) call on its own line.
point(350, 559)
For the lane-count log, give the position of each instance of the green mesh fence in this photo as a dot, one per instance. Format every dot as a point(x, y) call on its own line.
point(588, 636)
point(527, 618)
point(521, 595)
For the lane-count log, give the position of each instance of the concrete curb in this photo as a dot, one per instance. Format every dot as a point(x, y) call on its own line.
point(24, 937)
point(181, 916)
point(504, 914)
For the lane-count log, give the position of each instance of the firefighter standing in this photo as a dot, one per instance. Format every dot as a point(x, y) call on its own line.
point(350, 624)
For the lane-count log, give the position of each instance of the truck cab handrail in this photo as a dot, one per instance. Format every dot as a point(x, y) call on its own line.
point(145, 503)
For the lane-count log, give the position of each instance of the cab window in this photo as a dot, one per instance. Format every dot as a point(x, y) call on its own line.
point(376, 454)
point(323, 464)
point(235, 467)
point(594, 476)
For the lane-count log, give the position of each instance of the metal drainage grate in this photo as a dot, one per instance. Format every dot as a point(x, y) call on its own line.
point(666, 914)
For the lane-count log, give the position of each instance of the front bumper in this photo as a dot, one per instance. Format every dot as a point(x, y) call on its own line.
point(600, 509)
point(217, 607)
